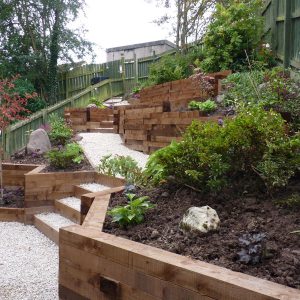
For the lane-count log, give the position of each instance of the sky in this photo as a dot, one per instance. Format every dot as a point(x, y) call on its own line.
point(113, 23)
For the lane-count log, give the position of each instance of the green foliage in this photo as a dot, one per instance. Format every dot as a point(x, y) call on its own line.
point(60, 133)
point(270, 89)
point(133, 212)
point(123, 166)
point(175, 67)
point(64, 157)
point(293, 201)
point(206, 107)
point(97, 102)
point(211, 157)
point(23, 87)
point(235, 29)
point(34, 35)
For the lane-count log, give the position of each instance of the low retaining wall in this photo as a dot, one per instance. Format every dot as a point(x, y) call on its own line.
point(180, 92)
point(149, 129)
point(13, 174)
point(88, 119)
point(96, 265)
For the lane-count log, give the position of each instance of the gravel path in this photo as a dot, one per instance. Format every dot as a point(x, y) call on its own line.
point(97, 145)
point(28, 264)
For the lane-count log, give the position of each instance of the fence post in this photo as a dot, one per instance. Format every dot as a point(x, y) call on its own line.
point(287, 34)
point(274, 14)
point(136, 70)
point(123, 71)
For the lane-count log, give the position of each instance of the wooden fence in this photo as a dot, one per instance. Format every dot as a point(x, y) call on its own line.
point(128, 71)
point(282, 30)
point(16, 136)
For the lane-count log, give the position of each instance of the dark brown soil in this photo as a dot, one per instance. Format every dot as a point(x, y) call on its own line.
point(23, 158)
point(239, 215)
point(13, 197)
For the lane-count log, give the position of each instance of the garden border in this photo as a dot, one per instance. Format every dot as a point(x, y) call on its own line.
point(97, 265)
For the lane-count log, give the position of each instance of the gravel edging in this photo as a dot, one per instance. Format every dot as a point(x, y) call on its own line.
point(28, 265)
point(97, 145)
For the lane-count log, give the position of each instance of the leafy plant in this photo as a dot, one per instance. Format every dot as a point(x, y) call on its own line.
point(206, 107)
point(253, 248)
point(234, 29)
point(210, 156)
point(175, 67)
point(60, 133)
point(124, 166)
point(133, 212)
point(97, 102)
point(64, 157)
point(293, 201)
point(23, 87)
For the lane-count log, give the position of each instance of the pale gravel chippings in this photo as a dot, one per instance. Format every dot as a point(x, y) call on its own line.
point(71, 202)
point(97, 145)
point(28, 264)
point(94, 187)
point(55, 220)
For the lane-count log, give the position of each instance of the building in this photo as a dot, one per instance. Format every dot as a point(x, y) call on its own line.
point(139, 50)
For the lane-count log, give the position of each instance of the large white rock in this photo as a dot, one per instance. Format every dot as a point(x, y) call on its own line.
point(201, 219)
point(38, 142)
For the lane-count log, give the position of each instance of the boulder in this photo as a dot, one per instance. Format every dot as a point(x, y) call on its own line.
point(203, 219)
point(38, 142)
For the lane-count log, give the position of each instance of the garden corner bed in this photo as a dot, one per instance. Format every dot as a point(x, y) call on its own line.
point(97, 264)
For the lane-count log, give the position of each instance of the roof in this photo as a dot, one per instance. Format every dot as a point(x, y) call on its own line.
point(141, 45)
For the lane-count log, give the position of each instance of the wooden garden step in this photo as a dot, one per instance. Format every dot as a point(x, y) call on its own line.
point(50, 223)
point(103, 130)
point(69, 207)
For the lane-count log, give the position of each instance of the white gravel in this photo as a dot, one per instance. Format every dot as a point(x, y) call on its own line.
point(55, 220)
point(97, 145)
point(94, 187)
point(28, 264)
point(72, 202)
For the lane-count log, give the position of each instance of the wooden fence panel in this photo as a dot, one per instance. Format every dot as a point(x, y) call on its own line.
point(282, 30)
point(16, 135)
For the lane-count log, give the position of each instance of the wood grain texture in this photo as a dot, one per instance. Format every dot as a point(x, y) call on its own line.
point(86, 254)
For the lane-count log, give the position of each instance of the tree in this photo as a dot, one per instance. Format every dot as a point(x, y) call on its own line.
point(192, 17)
point(12, 108)
point(35, 36)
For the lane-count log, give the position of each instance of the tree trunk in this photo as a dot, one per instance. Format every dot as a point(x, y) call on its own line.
point(54, 51)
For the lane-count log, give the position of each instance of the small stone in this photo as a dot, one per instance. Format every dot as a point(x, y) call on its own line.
point(201, 219)
point(92, 105)
point(165, 195)
point(154, 234)
point(77, 138)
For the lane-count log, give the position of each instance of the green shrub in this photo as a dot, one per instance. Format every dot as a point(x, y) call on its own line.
point(97, 102)
point(133, 212)
point(23, 87)
point(271, 89)
point(59, 133)
point(211, 157)
point(64, 157)
point(206, 107)
point(175, 67)
point(292, 201)
point(234, 29)
point(123, 166)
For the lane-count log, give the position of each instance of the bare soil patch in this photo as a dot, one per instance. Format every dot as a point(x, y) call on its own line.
point(239, 214)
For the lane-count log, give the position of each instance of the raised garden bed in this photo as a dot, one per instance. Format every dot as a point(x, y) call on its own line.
point(23, 158)
point(99, 265)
